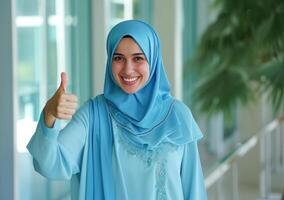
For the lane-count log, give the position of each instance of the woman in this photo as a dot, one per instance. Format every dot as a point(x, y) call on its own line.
point(135, 141)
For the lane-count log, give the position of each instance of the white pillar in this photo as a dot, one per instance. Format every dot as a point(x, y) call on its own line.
point(7, 101)
point(168, 24)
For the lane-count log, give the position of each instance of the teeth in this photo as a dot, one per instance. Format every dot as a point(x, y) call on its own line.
point(130, 79)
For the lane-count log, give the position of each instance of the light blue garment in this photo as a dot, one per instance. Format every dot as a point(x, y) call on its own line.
point(99, 182)
point(171, 170)
point(149, 117)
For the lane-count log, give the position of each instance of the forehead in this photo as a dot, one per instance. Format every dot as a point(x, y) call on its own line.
point(128, 44)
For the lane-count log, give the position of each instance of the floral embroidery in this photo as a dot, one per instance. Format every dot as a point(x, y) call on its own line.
point(149, 157)
point(161, 173)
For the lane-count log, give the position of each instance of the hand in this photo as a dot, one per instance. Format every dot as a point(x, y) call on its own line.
point(61, 105)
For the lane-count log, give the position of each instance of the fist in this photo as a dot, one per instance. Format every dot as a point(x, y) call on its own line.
point(62, 105)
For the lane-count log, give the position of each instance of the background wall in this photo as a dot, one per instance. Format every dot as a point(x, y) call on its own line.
point(7, 101)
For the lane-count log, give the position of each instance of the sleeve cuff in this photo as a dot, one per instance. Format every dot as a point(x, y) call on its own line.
point(49, 132)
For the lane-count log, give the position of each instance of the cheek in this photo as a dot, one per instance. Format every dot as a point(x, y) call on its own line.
point(146, 71)
point(115, 70)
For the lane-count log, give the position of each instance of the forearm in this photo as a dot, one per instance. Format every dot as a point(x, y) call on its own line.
point(51, 159)
point(57, 152)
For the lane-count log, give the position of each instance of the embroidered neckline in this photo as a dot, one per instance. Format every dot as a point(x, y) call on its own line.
point(149, 157)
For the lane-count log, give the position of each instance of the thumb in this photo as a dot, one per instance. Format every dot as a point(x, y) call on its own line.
point(64, 81)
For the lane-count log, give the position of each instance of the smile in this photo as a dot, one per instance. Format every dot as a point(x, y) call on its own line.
point(130, 81)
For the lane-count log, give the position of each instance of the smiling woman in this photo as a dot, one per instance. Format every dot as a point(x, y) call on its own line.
point(130, 68)
point(134, 127)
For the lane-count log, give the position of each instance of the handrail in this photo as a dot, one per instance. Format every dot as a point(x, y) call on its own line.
point(238, 152)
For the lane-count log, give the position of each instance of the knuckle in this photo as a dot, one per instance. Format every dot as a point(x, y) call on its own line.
point(58, 109)
point(59, 116)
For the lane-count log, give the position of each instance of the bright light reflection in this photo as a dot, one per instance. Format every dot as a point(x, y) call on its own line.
point(53, 20)
point(29, 21)
point(25, 129)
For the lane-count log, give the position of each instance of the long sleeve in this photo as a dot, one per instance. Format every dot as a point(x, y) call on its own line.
point(191, 174)
point(57, 154)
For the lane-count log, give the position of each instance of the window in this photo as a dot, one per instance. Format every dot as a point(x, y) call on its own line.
point(50, 38)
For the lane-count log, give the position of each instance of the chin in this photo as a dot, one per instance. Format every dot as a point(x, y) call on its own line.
point(129, 91)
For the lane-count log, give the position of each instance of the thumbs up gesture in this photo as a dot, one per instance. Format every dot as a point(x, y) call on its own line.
point(62, 105)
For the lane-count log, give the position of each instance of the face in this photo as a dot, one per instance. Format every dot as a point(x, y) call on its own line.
point(129, 66)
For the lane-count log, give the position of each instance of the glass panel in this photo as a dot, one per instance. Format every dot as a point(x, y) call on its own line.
point(120, 10)
point(44, 50)
point(28, 77)
point(27, 7)
point(117, 10)
point(143, 9)
point(52, 80)
point(51, 7)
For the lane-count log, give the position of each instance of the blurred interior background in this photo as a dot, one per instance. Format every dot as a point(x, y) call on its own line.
point(224, 58)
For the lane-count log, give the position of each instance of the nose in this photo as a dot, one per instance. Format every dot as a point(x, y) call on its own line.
point(128, 67)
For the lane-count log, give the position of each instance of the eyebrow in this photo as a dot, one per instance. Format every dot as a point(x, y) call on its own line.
point(134, 54)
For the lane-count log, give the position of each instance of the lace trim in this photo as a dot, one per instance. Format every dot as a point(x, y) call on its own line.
point(158, 156)
point(161, 173)
point(147, 156)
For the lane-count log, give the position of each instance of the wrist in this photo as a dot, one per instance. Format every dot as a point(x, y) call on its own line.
point(49, 119)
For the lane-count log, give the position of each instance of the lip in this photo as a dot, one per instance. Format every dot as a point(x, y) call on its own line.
point(130, 81)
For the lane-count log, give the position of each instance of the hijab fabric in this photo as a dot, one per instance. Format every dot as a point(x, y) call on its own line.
point(149, 117)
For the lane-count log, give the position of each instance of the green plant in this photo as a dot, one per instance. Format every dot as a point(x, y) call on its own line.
point(241, 55)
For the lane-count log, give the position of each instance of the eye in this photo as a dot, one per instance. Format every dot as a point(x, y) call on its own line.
point(138, 58)
point(118, 58)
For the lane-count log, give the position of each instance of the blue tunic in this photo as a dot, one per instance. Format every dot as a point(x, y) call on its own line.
point(169, 172)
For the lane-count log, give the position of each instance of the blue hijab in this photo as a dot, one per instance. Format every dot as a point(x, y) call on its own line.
point(149, 117)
